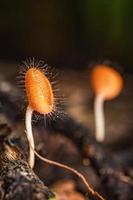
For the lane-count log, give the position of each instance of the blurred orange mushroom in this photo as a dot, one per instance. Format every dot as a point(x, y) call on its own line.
point(107, 84)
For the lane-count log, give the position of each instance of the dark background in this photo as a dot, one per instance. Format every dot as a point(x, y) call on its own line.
point(68, 34)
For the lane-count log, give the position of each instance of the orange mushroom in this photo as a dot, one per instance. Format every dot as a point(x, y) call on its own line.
point(107, 84)
point(40, 98)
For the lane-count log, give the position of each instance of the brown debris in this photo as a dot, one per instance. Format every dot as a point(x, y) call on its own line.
point(65, 190)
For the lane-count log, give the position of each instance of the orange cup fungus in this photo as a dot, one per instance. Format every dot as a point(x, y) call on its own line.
point(40, 99)
point(107, 83)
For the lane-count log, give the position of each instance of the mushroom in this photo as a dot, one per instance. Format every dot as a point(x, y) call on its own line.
point(107, 84)
point(41, 99)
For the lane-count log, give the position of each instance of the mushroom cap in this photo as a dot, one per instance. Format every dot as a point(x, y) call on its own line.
point(106, 82)
point(39, 91)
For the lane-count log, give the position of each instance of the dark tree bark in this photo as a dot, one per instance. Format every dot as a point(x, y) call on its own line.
point(17, 179)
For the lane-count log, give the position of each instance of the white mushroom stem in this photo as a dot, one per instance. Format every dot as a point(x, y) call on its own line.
point(99, 118)
point(29, 134)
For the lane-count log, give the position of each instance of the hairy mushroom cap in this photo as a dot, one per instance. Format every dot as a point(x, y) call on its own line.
point(106, 82)
point(39, 91)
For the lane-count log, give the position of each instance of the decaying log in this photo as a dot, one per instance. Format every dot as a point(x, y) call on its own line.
point(17, 179)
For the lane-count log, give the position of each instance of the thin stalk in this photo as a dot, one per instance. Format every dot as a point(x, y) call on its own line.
point(33, 152)
point(99, 118)
point(93, 192)
point(29, 134)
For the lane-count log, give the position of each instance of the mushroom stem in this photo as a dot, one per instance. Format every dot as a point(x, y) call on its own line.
point(99, 118)
point(29, 134)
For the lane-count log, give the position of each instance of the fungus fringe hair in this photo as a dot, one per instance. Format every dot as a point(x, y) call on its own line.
point(42, 99)
point(51, 74)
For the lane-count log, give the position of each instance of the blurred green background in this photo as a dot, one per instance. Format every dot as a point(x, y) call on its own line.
point(67, 33)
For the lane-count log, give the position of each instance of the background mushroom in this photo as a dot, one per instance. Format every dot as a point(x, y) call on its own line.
point(107, 83)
